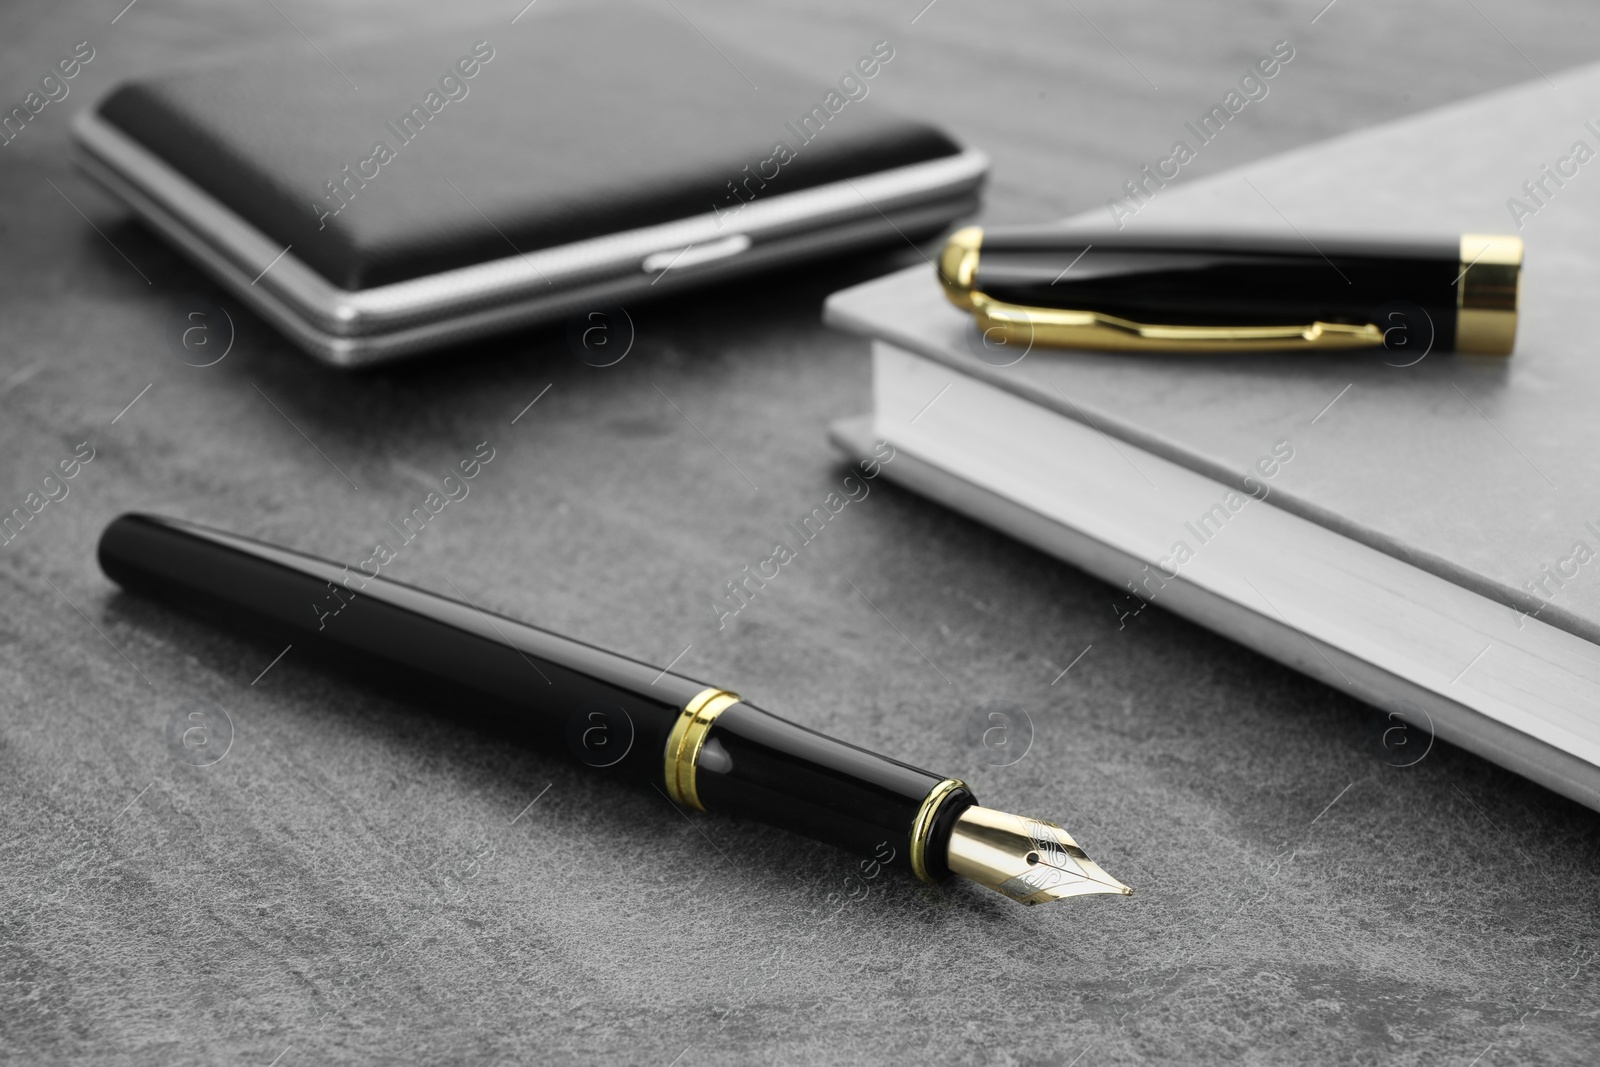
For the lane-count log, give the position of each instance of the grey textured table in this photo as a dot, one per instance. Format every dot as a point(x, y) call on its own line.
point(357, 879)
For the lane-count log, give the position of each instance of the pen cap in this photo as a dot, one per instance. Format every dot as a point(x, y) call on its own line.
point(1235, 291)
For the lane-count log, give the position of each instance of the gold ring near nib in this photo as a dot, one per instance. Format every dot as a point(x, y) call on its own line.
point(1026, 859)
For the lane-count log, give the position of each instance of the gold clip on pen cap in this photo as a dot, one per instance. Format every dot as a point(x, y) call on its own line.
point(958, 265)
point(1282, 294)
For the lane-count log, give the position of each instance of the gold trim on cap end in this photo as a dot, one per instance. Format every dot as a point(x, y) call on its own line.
point(922, 826)
point(958, 265)
point(1487, 294)
point(685, 741)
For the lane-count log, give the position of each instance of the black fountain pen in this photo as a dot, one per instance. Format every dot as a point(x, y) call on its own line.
point(1234, 292)
point(704, 747)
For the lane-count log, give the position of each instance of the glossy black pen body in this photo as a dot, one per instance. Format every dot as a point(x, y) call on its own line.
point(703, 746)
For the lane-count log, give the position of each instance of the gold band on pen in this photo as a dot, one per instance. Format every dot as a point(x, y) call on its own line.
point(1486, 294)
point(687, 737)
point(922, 826)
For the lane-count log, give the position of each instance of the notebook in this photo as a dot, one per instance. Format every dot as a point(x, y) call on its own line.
point(1429, 536)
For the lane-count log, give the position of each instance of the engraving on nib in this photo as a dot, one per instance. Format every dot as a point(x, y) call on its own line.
point(1028, 860)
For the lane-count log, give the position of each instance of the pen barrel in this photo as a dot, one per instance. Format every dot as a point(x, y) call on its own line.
point(602, 709)
point(702, 746)
point(1230, 279)
point(758, 765)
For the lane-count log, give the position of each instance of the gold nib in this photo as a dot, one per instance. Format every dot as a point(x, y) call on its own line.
point(1028, 860)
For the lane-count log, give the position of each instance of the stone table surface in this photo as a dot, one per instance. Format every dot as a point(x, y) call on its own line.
point(360, 879)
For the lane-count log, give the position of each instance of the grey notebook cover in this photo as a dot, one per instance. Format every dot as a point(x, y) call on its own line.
point(1484, 471)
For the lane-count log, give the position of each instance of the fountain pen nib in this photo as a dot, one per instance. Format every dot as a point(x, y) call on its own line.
point(1028, 860)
